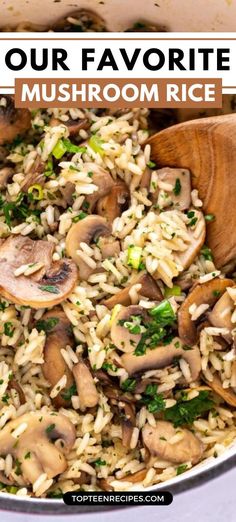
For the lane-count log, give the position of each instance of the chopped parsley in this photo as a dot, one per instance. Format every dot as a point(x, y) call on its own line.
point(206, 253)
point(185, 412)
point(154, 401)
point(181, 469)
point(49, 288)
point(28, 455)
point(8, 329)
point(46, 325)
point(128, 385)
point(177, 187)
point(67, 394)
point(50, 428)
point(80, 216)
point(18, 467)
point(100, 462)
point(151, 164)
point(209, 217)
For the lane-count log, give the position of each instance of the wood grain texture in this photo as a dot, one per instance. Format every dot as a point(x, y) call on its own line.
point(207, 147)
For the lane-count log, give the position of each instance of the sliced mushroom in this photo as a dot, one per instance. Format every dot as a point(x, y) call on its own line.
point(14, 385)
point(120, 335)
point(158, 441)
point(109, 247)
point(139, 476)
point(221, 313)
point(35, 175)
point(179, 180)
point(103, 181)
point(6, 174)
point(206, 293)
point(226, 393)
point(86, 231)
point(149, 289)
point(67, 192)
point(146, 179)
point(84, 20)
point(47, 287)
point(13, 122)
point(87, 391)
point(74, 126)
point(42, 429)
point(196, 240)
point(163, 356)
point(54, 367)
point(114, 203)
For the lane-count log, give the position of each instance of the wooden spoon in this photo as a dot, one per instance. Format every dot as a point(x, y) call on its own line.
point(207, 147)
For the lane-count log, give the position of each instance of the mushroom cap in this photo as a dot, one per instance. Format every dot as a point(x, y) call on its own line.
point(13, 122)
point(87, 391)
point(103, 181)
point(112, 204)
point(85, 231)
point(74, 126)
point(221, 313)
point(170, 175)
point(163, 356)
point(120, 335)
point(206, 293)
point(47, 287)
point(196, 240)
point(5, 174)
point(42, 429)
point(158, 442)
point(148, 289)
point(54, 366)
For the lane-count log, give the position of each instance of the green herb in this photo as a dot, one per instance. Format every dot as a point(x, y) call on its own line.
point(155, 330)
point(100, 462)
point(209, 217)
point(106, 443)
point(151, 164)
point(185, 412)
point(8, 329)
point(46, 325)
point(64, 145)
point(1, 381)
point(206, 253)
point(181, 468)
point(5, 398)
point(192, 217)
point(55, 494)
point(18, 210)
point(174, 291)
point(96, 144)
point(128, 385)
point(163, 313)
point(109, 366)
point(134, 256)
point(216, 293)
point(3, 306)
point(177, 187)
point(28, 455)
point(80, 216)
point(139, 25)
point(18, 467)
point(68, 393)
point(50, 428)
point(154, 401)
point(49, 288)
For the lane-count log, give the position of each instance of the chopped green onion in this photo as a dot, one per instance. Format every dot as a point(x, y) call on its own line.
point(134, 256)
point(49, 288)
point(71, 147)
point(35, 192)
point(96, 144)
point(128, 385)
point(163, 313)
point(209, 217)
point(206, 253)
point(151, 164)
point(59, 150)
point(174, 291)
point(181, 468)
point(177, 187)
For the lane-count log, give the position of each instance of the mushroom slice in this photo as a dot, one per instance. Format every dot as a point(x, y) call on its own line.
point(13, 122)
point(14, 385)
point(158, 440)
point(114, 203)
point(206, 293)
point(86, 231)
point(73, 126)
point(146, 179)
point(122, 338)
point(84, 20)
point(196, 240)
point(179, 180)
point(87, 391)
point(103, 181)
point(58, 336)
point(46, 287)
point(35, 175)
point(164, 356)
point(149, 289)
point(42, 429)
point(221, 313)
point(226, 393)
point(109, 247)
point(5, 174)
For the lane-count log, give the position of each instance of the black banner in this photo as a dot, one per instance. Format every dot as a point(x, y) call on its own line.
point(126, 498)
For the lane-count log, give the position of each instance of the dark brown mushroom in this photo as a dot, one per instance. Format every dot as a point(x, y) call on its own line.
point(196, 240)
point(13, 122)
point(115, 202)
point(6, 174)
point(73, 126)
point(14, 385)
point(163, 356)
point(159, 444)
point(206, 293)
point(108, 247)
point(58, 335)
point(149, 289)
point(50, 285)
point(221, 313)
point(86, 231)
point(225, 393)
point(35, 175)
point(103, 181)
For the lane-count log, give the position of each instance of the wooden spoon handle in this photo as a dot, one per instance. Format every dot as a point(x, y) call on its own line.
point(207, 147)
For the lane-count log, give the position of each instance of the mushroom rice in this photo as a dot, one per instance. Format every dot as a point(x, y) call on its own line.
point(118, 361)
